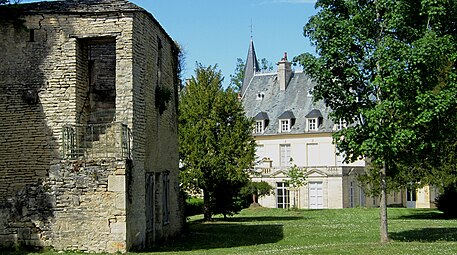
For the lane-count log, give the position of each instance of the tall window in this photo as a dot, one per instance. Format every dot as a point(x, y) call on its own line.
point(410, 195)
point(285, 125)
point(312, 124)
point(282, 195)
point(259, 126)
point(159, 61)
point(284, 154)
point(351, 195)
point(166, 197)
point(149, 202)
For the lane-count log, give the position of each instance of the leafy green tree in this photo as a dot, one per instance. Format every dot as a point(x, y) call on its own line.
point(10, 1)
point(256, 190)
point(216, 143)
point(236, 79)
point(386, 67)
point(297, 179)
point(265, 65)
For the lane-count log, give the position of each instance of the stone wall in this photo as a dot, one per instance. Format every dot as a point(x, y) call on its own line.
point(155, 135)
point(81, 206)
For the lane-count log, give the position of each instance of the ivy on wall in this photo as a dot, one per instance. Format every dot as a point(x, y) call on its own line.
point(162, 97)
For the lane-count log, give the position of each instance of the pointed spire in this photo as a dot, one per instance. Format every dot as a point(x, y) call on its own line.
point(251, 67)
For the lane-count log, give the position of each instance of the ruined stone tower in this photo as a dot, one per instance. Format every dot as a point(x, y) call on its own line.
point(88, 110)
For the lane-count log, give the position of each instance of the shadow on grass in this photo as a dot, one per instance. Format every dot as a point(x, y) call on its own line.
point(426, 235)
point(424, 215)
point(224, 235)
point(261, 218)
point(20, 251)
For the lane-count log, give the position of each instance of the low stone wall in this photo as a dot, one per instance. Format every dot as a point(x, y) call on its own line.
point(80, 206)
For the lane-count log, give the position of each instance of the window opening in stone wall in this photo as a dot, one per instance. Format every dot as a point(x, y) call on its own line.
point(150, 202)
point(159, 61)
point(166, 197)
point(97, 134)
point(31, 35)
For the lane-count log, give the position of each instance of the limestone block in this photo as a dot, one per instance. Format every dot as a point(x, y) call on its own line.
point(120, 201)
point(118, 228)
point(116, 183)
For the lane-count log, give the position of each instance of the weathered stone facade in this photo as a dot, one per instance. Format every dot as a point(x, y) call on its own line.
point(88, 117)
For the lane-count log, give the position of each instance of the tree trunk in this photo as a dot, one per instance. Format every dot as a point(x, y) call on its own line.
point(383, 206)
point(207, 215)
point(254, 199)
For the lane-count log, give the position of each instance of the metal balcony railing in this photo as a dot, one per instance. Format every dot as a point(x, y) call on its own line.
point(107, 140)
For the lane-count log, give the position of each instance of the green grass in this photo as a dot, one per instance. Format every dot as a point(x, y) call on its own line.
point(346, 231)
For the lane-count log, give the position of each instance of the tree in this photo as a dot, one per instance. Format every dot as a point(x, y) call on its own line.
point(236, 79)
point(10, 1)
point(265, 66)
point(256, 190)
point(216, 143)
point(297, 179)
point(387, 67)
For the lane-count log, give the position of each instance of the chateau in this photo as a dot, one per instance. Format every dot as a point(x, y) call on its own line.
point(293, 131)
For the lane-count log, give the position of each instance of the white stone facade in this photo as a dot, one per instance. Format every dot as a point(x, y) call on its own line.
point(328, 179)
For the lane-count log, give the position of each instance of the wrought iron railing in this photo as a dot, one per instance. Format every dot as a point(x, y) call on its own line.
point(107, 140)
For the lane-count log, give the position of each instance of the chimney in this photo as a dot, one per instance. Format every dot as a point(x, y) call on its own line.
point(284, 72)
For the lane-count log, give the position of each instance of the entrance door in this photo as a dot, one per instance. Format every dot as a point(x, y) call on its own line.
point(410, 198)
point(316, 195)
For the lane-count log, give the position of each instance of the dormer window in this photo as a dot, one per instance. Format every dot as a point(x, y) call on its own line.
point(312, 124)
point(261, 122)
point(313, 120)
point(310, 93)
point(286, 121)
point(260, 96)
point(285, 125)
point(259, 126)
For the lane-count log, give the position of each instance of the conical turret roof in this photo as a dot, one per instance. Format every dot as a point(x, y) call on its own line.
point(251, 67)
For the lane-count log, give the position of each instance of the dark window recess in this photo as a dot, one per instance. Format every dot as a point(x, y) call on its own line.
point(31, 35)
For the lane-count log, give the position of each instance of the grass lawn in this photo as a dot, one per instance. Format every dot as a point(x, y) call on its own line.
point(346, 231)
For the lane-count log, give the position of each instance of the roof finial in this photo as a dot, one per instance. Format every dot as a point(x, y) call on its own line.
point(251, 28)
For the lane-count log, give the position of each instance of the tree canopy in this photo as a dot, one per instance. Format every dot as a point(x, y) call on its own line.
point(216, 143)
point(387, 68)
point(256, 190)
point(236, 79)
point(10, 1)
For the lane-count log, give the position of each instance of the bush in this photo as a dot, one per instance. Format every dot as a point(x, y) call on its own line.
point(446, 202)
point(194, 206)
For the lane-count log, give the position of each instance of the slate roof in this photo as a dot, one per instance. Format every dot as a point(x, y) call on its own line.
point(295, 99)
point(251, 67)
point(262, 116)
point(80, 6)
point(315, 113)
point(286, 115)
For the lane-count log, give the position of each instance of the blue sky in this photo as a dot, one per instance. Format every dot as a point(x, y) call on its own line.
point(218, 31)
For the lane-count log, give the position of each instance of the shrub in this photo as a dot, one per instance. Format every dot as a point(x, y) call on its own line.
point(446, 202)
point(194, 206)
